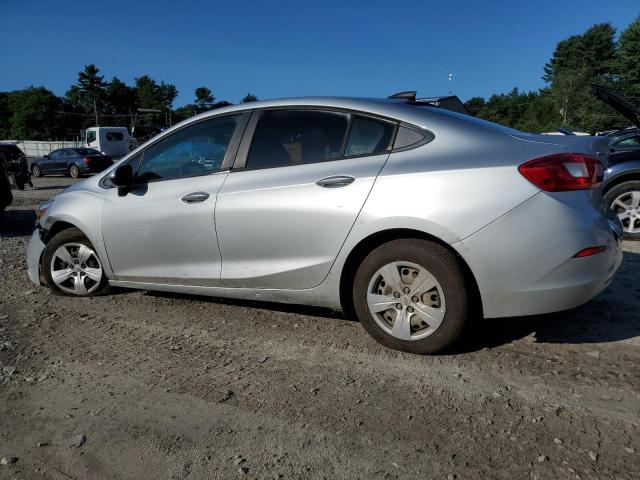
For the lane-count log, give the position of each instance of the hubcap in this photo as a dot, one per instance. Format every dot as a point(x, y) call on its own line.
point(76, 269)
point(627, 207)
point(406, 300)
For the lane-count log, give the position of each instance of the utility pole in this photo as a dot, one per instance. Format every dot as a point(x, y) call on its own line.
point(451, 84)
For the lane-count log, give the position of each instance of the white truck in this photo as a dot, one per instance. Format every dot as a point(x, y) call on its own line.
point(112, 141)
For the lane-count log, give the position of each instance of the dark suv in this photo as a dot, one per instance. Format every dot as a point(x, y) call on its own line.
point(621, 186)
point(14, 172)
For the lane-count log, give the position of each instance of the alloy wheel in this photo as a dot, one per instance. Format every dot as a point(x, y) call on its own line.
point(627, 207)
point(35, 171)
point(74, 171)
point(76, 269)
point(406, 301)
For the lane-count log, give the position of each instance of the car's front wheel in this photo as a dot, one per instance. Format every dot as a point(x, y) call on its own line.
point(410, 295)
point(624, 200)
point(36, 171)
point(71, 265)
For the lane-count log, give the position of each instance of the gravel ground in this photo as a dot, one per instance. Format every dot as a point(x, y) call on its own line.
point(146, 385)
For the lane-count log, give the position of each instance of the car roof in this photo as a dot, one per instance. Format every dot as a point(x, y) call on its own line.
point(422, 115)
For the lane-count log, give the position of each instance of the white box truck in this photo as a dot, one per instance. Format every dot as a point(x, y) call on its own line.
point(112, 141)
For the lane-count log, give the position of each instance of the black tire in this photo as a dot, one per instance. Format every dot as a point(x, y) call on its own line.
point(36, 171)
point(68, 236)
point(443, 265)
point(74, 171)
point(615, 192)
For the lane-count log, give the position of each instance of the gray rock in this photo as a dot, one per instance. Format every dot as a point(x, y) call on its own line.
point(8, 460)
point(542, 458)
point(243, 471)
point(593, 455)
point(594, 354)
point(78, 440)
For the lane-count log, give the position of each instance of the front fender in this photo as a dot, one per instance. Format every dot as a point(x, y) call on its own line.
point(83, 210)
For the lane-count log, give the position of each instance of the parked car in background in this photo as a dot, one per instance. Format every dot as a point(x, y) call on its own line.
point(6, 197)
point(621, 186)
point(112, 141)
point(15, 166)
point(71, 161)
point(411, 216)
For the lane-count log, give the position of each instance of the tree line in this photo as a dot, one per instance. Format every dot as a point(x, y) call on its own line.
point(36, 113)
point(577, 62)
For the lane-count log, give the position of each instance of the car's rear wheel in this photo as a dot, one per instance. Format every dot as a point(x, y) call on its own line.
point(71, 265)
point(74, 171)
point(624, 200)
point(410, 295)
point(36, 171)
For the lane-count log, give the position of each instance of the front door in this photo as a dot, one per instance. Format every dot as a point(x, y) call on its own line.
point(162, 231)
point(283, 216)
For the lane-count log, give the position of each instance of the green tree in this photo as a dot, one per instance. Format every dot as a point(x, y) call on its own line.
point(628, 59)
point(592, 53)
point(120, 98)
point(5, 127)
point(148, 93)
point(204, 98)
point(475, 105)
point(168, 93)
point(249, 98)
point(92, 87)
point(33, 114)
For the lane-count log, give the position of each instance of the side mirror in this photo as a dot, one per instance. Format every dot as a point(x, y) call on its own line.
point(46, 157)
point(123, 178)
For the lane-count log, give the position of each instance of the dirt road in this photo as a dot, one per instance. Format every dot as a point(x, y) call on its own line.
point(171, 386)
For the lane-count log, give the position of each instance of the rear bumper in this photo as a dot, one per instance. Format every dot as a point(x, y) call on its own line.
point(524, 261)
point(34, 253)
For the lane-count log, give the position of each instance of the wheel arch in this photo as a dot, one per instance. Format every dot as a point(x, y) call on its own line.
point(622, 177)
point(368, 244)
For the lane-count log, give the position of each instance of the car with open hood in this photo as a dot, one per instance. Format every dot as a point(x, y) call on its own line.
point(621, 187)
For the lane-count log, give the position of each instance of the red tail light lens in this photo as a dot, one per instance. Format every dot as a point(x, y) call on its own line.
point(563, 171)
point(86, 160)
point(587, 252)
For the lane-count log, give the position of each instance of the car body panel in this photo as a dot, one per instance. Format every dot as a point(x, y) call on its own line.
point(278, 228)
point(462, 189)
point(144, 229)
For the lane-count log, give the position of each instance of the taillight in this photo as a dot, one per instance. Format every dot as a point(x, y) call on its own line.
point(588, 252)
point(563, 171)
point(86, 160)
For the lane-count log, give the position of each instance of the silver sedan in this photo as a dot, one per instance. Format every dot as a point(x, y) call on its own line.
point(412, 218)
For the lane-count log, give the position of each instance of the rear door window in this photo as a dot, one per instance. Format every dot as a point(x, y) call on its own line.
point(291, 137)
point(369, 136)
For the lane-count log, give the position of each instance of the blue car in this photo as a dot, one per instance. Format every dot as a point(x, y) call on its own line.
point(73, 162)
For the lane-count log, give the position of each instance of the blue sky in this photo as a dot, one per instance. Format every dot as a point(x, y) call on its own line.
point(285, 48)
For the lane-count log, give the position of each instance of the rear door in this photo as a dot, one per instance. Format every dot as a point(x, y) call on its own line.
point(55, 163)
point(299, 182)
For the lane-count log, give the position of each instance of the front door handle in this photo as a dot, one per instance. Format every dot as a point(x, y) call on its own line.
point(335, 182)
point(195, 197)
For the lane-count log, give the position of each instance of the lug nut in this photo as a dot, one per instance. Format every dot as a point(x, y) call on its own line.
point(406, 290)
point(399, 306)
point(415, 299)
point(396, 295)
point(410, 309)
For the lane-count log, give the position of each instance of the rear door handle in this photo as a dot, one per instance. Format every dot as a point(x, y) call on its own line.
point(336, 181)
point(195, 197)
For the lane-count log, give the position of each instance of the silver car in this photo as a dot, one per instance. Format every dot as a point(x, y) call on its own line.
point(413, 218)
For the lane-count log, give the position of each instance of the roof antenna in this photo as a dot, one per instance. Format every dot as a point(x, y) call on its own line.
point(451, 84)
point(410, 96)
